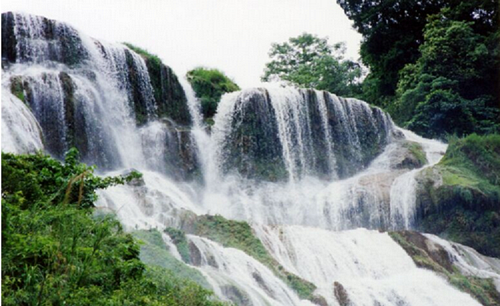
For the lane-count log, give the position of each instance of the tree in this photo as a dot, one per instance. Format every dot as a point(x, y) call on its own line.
point(393, 31)
point(309, 61)
point(451, 88)
point(58, 250)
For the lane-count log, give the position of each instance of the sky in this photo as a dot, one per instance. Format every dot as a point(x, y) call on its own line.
point(232, 35)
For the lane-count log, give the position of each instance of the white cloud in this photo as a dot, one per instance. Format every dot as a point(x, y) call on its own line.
point(232, 35)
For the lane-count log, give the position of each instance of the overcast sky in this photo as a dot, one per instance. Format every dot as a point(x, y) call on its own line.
point(232, 35)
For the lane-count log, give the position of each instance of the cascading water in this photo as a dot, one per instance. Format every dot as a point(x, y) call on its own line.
point(79, 90)
point(308, 169)
point(21, 132)
point(368, 265)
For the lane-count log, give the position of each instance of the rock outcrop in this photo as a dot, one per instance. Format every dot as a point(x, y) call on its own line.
point(459, 198)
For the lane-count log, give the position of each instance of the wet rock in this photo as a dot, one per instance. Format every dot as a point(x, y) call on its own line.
point(236, 295)
point(194, 254)
point(262, 284)
point(341, 294)
point(319, 300)
point(408, 155)
point(381, 182)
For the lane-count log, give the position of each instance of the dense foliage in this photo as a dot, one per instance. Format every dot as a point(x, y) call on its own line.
point(433, 64)
point(310, 62)
point(209, 86)
point(461, 195)
point(56, 249)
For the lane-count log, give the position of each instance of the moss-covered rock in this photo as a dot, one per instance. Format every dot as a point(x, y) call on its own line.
point(169, 96)
point(209, 86)
point(459, 198)
point(17, 88)
point(432, 256)
point(239, 235)
point(414, 156)
point(153, 251)
point(179, 239)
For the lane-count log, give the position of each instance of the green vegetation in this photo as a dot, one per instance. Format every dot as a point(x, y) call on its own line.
point(154, 252)
point(308, 61)
point(443, 92)
point(416, 151)
point(57, 250)
point(179, 239)
point(239, 235)
point(435, 258)
point(433, 64)
point(209, 86)
point(460, 197)
point(17, 88)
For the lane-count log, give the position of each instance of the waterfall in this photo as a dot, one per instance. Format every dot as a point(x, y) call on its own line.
point(80, 91)
point(316, 175)
point(235, 274)
point(284, 133)
point(403, 190)
point(21, 133)
point(370, 266)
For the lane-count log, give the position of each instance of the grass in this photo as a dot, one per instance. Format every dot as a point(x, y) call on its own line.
point(417, 151)
point(144, 53)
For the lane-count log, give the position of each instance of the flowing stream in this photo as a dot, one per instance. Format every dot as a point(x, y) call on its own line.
point(314, 174)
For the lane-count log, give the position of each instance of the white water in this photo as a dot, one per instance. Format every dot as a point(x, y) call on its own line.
point(469, 261)
point(306, 223)
point(226, 267)
point(373, 269)
point(403, 190)
point(21, 133)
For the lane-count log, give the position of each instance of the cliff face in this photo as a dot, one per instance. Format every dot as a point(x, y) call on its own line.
point(87, 94)
point(288, 133)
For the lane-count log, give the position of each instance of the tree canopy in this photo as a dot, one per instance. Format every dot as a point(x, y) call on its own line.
point(310, 62)
point(433, 64)
point(445, 91)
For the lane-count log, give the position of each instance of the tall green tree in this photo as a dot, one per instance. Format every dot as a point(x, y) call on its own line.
point(451, 89)
point(309, 61)
point(393, 31)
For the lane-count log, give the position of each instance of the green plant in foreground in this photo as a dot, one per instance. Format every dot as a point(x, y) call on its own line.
point(56, 250)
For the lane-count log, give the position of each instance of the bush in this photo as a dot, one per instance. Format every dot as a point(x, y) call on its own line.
point(209, 86)
point(56, 250)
